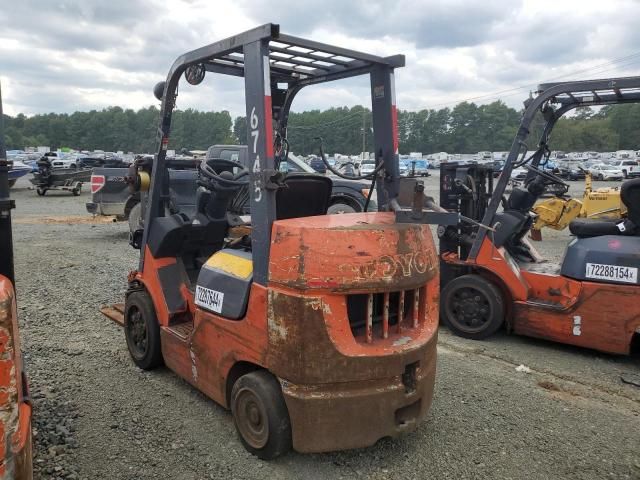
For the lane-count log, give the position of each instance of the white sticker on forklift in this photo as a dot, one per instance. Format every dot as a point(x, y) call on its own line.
point(614, 273)
point(209, 299)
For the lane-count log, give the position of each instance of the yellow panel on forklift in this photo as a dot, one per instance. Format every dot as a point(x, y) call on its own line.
point(237, 266)
point(224, 283)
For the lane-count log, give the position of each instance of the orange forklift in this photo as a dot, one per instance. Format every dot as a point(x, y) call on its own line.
point(15, 405)
point(317, 331)
point(492, 276)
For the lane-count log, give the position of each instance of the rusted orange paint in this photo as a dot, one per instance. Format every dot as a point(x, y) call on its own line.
point(338, 254)
point(298, 328)
point(600, 316)
point(15, 411)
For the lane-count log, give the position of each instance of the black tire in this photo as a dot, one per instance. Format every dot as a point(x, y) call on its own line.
point(338, 208)
point(260, 415)
point(41, 191)
point(625, 174)
point(473, 307)
point(142, 331)
point(75, 192)
point(12, 183)
point(135, 215)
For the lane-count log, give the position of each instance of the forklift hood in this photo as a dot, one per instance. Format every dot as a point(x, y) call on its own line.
point(351, 252)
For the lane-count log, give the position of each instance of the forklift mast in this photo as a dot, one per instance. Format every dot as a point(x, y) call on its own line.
point(553, 100)
point(275, 68)
point(465, 189)
point(6, 205)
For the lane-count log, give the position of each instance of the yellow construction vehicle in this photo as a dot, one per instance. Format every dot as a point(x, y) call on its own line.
point(557, 212)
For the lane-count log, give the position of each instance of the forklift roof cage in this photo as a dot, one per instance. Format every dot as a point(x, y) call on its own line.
point(566, 96)
point(275, 68)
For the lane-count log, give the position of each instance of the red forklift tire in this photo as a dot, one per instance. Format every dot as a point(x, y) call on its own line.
point(472, 307)
point(142, 331)
point(260, 415)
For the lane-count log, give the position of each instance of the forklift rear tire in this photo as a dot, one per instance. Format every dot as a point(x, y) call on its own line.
point(260, 415)
point(142, 331)
point(473, 307)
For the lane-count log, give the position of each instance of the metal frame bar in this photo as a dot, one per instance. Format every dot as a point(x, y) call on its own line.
point(262, 74)
point(569, 95)
point(6, 205)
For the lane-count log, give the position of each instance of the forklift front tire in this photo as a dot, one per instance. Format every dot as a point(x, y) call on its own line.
point(473, 307)
point(260, 415)
point(142, 331)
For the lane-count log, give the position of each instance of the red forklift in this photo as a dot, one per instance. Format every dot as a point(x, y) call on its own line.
point(491, 276)
point(15, 405)
point(317, 331)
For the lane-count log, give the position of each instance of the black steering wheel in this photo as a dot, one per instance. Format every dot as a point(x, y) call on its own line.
point(547, 176)
point(210, 178)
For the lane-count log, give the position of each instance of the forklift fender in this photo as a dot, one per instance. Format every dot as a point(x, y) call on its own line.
point(237, 370)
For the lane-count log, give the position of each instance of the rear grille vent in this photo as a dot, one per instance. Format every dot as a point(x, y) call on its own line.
point(378, 315)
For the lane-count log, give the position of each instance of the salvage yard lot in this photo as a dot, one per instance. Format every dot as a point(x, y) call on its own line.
point(97, 416)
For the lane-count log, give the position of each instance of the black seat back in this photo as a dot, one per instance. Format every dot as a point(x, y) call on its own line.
point(630, 195)
point(304, 195)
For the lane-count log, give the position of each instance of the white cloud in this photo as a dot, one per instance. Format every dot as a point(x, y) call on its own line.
point(63, 56)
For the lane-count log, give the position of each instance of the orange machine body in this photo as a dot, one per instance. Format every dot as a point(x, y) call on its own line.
point(600, 316)
point(344, 387)
point(15, 407)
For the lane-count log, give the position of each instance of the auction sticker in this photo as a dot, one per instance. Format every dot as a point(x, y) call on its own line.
point(614, 273)
point(209, 299)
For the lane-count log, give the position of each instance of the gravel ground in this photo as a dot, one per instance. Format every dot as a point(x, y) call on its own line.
point(96, 416)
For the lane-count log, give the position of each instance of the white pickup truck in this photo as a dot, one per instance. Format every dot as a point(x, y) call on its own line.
point(630, 167)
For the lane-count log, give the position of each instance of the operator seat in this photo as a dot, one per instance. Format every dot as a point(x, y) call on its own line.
point(630, 226)
point(303, 195)
point(178, 235)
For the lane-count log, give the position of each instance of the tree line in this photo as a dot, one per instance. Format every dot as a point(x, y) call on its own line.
point(465, 128)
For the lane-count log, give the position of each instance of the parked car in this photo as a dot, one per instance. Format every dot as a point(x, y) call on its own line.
point(318, 165)
point(404, 168)
point(519, 174)
point(367, 167)
point(630, 168)
point(604, 171)
point(418, 167)
point(59, 161)
point(570, 171)
point(93, 162)
point(111, 195)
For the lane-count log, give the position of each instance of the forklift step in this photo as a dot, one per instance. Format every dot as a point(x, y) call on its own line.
point(181, 330)
point(114, 312)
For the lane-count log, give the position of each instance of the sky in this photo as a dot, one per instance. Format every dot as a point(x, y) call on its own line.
point(69, 55)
